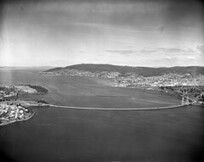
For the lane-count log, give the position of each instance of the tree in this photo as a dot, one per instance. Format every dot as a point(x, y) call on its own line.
point(202, 96)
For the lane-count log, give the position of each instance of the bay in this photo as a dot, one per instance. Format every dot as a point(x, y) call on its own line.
point(57, 134)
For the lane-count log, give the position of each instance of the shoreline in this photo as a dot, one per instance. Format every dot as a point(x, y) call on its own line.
point(27, 103)
point(18, 120)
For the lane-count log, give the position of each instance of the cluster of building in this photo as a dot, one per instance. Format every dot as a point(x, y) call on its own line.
point(12, 109)
point(25, 89)
point(158, 81)
point(8, 93)
point(133, 80)
point(186, 85)
point(69, 72)
point(74, 72)
point(10, 112)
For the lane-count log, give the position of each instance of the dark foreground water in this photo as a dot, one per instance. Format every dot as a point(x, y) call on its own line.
point(98, 136)
point(55, 134)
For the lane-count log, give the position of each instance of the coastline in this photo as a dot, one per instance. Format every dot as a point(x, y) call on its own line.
point(26, 103)
point(18, 120)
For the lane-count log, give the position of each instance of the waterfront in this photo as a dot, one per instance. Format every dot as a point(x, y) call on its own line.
point(57, 134)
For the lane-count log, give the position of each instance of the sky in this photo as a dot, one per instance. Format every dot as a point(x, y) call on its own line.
point(150, 33)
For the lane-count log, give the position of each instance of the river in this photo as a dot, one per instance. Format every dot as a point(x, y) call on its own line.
point(57, 134)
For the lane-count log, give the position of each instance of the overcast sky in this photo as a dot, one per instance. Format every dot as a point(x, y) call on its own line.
point(134, 33)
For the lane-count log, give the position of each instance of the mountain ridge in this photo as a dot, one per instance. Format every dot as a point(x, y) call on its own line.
point(143, 71)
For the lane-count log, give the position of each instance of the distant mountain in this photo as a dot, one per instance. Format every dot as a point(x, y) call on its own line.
point(123, 70)
point(55, 69)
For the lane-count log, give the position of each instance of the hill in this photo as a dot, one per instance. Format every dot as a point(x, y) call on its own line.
point(123, 70)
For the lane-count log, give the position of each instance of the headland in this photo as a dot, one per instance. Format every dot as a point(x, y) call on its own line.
point(14, 110)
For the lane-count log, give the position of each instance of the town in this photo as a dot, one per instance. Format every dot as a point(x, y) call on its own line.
point(186, 85)
point(12, 109)
point(10, 113)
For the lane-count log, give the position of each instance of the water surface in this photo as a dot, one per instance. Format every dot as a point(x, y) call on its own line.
point(56, 134)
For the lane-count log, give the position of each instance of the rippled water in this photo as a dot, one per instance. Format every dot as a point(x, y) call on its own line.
point(56, 134)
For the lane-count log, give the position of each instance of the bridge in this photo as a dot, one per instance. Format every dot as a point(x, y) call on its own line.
point(118, 109)
point(33, 103)
point(187, 100)
point(184, 102)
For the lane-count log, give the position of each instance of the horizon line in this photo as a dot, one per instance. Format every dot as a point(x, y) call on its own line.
point(36, 66)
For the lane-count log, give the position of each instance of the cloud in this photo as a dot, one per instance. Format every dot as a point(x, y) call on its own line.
point(201, 48)
point(181, 51)
point(171, 50)
point(148, 51)
point(123, 52)
point(165, 52)
point(201, 52)
point(168, 51)
point(161, 29)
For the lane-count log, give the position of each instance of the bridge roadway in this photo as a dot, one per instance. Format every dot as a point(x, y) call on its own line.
point(118, 109)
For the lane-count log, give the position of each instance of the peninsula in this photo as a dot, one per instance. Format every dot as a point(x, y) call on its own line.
point(12, 109)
